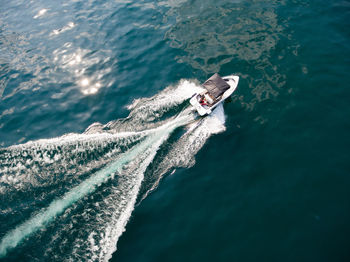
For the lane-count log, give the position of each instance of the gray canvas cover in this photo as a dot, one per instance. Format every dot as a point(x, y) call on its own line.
point(216, 86)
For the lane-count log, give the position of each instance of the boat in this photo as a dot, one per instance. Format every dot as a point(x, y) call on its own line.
point(216, 90)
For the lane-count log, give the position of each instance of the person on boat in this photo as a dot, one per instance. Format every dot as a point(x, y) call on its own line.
point(203, 101)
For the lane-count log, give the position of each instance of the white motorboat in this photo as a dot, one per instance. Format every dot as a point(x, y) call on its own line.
point(217, 89)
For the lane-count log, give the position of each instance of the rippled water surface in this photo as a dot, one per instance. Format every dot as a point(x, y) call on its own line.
point(102, 159)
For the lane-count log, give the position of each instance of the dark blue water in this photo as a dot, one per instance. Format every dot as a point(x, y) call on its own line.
point(102, 159)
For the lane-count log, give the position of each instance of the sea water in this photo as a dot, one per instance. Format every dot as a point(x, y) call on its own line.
point(102, 159)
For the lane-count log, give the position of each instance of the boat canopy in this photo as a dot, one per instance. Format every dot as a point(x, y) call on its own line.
point(216, 86)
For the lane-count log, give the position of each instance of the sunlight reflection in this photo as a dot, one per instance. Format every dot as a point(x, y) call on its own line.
point(40, 13)
point(88, 89)
point(69, 26)
point(85, 82)
point(78, 64)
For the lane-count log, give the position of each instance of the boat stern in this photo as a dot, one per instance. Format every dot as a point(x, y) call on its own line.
point(194, 101)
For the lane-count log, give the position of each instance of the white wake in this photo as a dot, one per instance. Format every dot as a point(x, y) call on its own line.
point(90, 182)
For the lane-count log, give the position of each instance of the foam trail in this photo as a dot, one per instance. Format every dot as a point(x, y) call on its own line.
point(17, 235)
point(182, 152)
point(22, 166)
point(89, 183)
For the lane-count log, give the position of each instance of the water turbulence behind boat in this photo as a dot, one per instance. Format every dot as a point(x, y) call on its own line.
point(73, 195)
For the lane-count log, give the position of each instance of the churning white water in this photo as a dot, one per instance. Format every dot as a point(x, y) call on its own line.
point(81, 188)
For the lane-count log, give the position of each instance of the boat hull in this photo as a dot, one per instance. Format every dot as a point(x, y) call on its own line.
point(206, 109)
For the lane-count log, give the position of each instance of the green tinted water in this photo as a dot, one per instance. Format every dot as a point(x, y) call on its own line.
point(272, 187)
